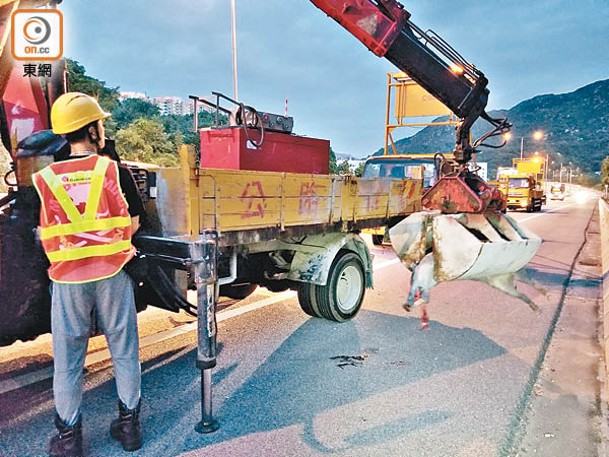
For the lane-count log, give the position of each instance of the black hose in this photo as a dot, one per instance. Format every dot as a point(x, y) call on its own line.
point(169, 293)
point(6, 181)
point(256, 124)
point(7, 199)
point(501, 126)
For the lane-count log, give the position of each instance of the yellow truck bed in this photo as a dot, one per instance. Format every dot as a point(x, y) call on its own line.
point(252, 206)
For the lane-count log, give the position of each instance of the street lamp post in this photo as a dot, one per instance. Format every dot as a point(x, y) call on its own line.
point(234, 48)
point(521, 147)
point(568, 172)
point(537, 135)
point(546, 178)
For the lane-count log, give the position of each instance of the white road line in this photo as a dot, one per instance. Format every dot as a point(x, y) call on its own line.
point(25, 380)
point(104, 355)
point(546, 212)
point(386, 264)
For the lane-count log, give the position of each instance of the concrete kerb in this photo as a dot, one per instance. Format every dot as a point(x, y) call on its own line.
point(604, 234)
point(604, 337)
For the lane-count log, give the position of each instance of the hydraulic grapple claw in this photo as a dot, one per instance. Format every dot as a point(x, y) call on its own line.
point(488, 247)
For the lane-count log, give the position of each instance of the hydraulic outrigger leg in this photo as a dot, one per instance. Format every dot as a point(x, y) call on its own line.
point(203, 269)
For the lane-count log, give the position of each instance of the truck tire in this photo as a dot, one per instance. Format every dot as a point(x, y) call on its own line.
point(377, 240)
point(237, 291)
point(342, 296)
point(306, 299)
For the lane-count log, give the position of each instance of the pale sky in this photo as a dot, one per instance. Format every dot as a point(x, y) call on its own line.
point(336, 88)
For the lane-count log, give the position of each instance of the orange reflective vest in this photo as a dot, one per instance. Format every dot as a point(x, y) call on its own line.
point(85, 227)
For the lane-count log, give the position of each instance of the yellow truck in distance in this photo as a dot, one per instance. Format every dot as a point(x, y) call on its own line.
point(523, 185)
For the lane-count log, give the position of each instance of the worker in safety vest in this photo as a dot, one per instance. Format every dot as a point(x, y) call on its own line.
point(90, 209)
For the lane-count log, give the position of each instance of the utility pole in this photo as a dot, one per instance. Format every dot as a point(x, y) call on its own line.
point(234, 46)
point(546, 178)
point(521, 147)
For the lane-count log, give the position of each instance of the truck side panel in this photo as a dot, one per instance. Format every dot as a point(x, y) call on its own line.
point(245, 200)
point(239, 200)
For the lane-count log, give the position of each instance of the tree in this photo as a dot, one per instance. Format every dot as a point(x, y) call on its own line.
point(180, 129)
point(145, 140)
point(127, 111)
point(333, 165)
point(78, 81)
point(343, 168)
point(605, 171)
point(360, 169)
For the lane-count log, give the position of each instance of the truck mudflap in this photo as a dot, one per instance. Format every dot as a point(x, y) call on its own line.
point(465, 245)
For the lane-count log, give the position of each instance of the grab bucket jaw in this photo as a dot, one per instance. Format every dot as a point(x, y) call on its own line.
point(465, 245)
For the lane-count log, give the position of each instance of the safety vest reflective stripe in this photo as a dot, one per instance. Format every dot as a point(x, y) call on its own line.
point(85, 226)
point(97, 181)
point(77, 253)
point(60, 194)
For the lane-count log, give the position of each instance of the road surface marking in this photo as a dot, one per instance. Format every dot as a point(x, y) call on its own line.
point(386, 264)
point(546, 212)
point(104, 355)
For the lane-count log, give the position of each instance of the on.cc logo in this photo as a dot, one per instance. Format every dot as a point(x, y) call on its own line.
point(37, 34)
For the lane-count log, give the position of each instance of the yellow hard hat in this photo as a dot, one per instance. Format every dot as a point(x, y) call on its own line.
point(74, 110)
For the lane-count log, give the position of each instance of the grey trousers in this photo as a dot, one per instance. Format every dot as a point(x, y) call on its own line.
point(112, 301)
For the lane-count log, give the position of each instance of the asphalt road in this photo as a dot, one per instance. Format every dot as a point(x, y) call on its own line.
point(290, 385)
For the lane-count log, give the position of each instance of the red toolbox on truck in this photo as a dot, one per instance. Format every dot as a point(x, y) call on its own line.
point(232, 148)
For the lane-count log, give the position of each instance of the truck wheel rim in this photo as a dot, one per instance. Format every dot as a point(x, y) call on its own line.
point(349, 288)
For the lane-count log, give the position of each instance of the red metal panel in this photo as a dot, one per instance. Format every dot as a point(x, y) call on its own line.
point(366, 21)
point(229, 149)
point(452, 194)
point(25, 106)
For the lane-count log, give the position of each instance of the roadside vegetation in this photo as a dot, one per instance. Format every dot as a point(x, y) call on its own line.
point(141, 132)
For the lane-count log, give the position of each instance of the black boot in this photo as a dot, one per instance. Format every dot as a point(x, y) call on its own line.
point(68, 442)
point(127, 428)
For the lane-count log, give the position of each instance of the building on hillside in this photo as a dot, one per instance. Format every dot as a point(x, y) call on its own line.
point(166, 105)
point(172, 105)
point(128, 94)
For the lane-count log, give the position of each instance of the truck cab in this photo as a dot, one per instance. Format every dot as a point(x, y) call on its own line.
point(400, 166)
point(519, 192)
point(523, 184)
